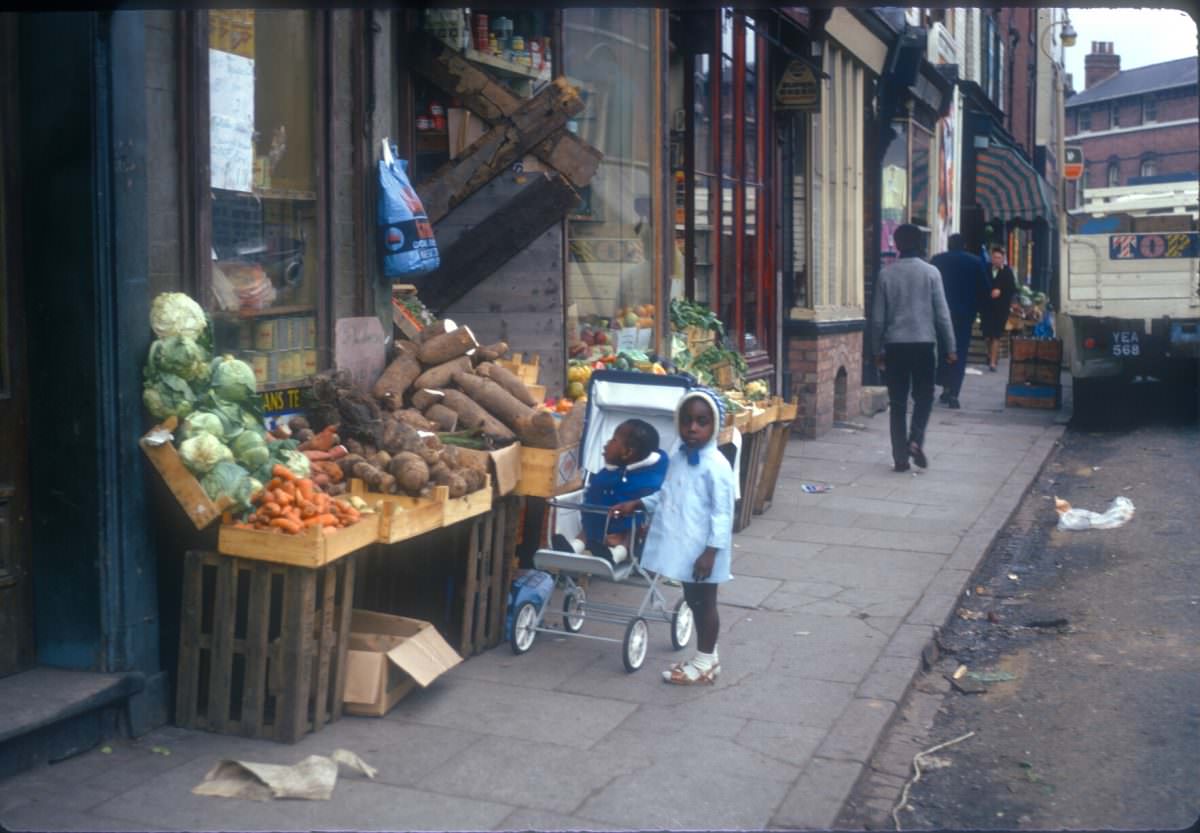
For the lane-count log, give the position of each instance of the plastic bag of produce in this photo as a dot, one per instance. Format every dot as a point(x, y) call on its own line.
point(405, 232)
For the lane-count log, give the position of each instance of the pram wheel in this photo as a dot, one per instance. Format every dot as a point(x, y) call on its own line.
point(681, 625)
point(634, 647)
point(573, 604)
point(524, 628)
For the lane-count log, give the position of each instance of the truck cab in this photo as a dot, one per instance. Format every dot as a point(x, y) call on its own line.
point(1129, 295)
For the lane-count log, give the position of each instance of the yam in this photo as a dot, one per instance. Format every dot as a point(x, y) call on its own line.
point(404, 347)
point(380, 459)
point(474, 478)
point(490, 352)
point(424, 398)
point(442, 325)
point(442, 348)
point(494, 399)
point(395, 381)
point(415, 419)
point(508, 380)
point(298, 423)
point(348, 463)
point(471, 415)
point(570, 430)
point(540, 430)
point(376, 479)
point(353, 446)
point(441, 375)
point(410, 471)
point(441, 416)
point(442, 475)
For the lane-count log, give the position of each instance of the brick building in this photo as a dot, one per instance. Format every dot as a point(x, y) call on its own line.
point(1134, 124)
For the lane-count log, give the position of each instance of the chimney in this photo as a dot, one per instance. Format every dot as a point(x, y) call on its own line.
point(1102, 63)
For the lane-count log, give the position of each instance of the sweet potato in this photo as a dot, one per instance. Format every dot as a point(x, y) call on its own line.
point(395, 381)
point(442, 417)
point(442, 348)
point(471, 415)
point(508, 380)
point(415, 419)
point(410, 471)
point(298, 423)
point(490, 352)
point(424, 398)
point(494, 399)
point(377, 480)
point(441, 375)
point(404, 347)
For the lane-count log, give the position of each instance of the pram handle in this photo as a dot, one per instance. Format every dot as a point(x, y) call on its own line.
point(593, 508)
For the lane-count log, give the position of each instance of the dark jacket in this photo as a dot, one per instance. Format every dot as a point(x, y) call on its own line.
point(611, 486)
point(965, 281)
point(995, 310)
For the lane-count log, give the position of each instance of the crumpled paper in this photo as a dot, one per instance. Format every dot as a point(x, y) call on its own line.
point(1118, 514)
point(313, 778)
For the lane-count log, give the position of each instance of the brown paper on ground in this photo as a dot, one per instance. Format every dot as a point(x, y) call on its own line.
point(313, 778)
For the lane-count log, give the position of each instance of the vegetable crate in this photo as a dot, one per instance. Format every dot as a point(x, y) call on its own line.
point(1047, 397)
point(527, 372)
point(546, 472)
point(158, 446)
point(312, 548)
point(1049, 350)
point(699, 339)
point(262, 647)
point(777, 441)
point(401, 517)
point(754, 448)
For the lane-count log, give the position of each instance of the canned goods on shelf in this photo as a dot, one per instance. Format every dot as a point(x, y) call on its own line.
point(264, 335)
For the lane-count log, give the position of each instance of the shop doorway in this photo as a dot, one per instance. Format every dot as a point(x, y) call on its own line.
point(16, 591)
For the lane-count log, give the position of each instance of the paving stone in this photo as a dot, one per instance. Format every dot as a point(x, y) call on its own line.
point(781, 567)
point(672, 743)
point(525, 819)
point(855, 733)
point(513, 711)
point(546, 666)
point(762, 527)
point(747, 591)
point(865, 567)
point(542, 776)
point(815, 533)
point(889, 678)
point(774, 546)
point(917, 525)
point(816, 798)
point(924, 542)
point(790, 743)
point(853, 503)
point(908, 641)
point(63, 820)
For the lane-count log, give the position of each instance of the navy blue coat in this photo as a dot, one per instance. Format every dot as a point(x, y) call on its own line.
point(609, 487)
point(965, 280)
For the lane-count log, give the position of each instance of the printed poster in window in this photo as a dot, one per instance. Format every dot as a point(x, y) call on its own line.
point(231, 120)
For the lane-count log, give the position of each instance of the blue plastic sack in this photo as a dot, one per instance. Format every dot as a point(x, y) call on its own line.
point(405, 233)
point(529, 586)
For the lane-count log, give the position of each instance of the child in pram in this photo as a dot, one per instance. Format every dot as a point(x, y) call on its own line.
point(634, 467)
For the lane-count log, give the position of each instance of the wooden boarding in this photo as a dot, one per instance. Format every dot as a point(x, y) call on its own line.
point(754, 447)
point(458, 509)
point(1034, 371)
point(183, 484)
point(781, 433)
point(527, 372)
point(312, 548)
point(262, 647)
point(759, 420)
point(400, 516)
point(1044, 397)
point(538, 392)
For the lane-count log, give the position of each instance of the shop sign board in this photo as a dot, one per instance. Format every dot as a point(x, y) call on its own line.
point(1072, 162)
point(798, 89)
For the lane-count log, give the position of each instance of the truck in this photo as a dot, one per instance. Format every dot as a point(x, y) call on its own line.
point(1129, 290)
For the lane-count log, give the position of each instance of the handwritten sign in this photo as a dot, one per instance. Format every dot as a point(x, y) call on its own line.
point(231, 120)
point(359, 347)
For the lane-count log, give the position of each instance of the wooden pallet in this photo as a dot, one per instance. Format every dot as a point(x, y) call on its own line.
point(493, 542)
point(754, 447)
point(262, 647)
point(777, 443)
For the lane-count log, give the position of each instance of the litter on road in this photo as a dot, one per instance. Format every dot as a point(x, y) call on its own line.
point(816, 488)
point(1119, 512)
point(313, 778)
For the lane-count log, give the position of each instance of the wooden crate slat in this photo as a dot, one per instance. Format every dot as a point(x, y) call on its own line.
point(254, 647)
point(325, 648)
point(188, 677)
point(291, 712)
point(486, 549)
point(345, 572)
point(470, 587)
point(499, 548)
point(220, 680)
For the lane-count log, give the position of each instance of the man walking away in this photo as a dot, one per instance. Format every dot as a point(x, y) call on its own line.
point(909, 318)
point(965, 282)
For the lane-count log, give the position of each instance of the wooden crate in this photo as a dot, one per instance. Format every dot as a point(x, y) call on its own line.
point(781, 433)
point(458, 509)
point(1040, 349)
point(766, 414)
point(262, 647)
point(183, 484)
point(754, 446)
point(699, 339)
point(1034, 371)
point(788, 411)
point(548, 472)
point(741, 421)
point(1046, 397)
point(492, 544)
point(312, 548)
point(402, 517)
point(527, 372)
point(538, 392)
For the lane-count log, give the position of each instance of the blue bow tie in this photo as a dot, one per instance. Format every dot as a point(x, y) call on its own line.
point(693, 455)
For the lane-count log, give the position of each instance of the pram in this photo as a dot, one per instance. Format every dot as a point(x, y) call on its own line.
point(613, 397)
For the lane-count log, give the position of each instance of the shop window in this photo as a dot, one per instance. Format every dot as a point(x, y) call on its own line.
point(894, 192)
point(921, 174)
point(611, 237)
point(704, 209)
point(264, 282)
point(1149, 109)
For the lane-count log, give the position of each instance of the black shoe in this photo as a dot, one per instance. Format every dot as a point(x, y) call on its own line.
point(901, 467)
point(992, 368)
point(945, 398)
point(601, 550)
point(952, 403)
point(559, 543)
point(918, 455)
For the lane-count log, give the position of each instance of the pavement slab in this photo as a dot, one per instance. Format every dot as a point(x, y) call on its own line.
point(834, 597)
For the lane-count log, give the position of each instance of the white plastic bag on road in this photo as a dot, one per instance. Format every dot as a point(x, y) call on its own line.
point(1118, 514)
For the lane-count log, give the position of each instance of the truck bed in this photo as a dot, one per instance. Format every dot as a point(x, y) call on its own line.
point(1109, 277)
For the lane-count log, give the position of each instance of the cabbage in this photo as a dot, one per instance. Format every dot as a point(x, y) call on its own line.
point(250, 421)
point(296, 461)
point(202, 421)
point(250, 448)
point(175, 314)
point(230, 414)
point(181, 356)
point(245, 490)
point(202, 452)
point(233, 380)
point(224, 479)
point(168, 395)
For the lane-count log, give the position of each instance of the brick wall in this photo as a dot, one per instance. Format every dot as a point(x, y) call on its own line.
point(814, 364)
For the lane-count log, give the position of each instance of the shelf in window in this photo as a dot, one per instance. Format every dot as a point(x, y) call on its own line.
point(285, 194)
point(268, 312)
point(507, 67)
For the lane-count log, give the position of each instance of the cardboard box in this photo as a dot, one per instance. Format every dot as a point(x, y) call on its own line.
point(504, 466)
point(388, 657)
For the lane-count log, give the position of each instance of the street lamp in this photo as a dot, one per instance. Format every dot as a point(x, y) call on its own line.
point(1068, 35)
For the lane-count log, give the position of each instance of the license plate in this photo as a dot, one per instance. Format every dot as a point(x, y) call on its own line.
point(1126, 343)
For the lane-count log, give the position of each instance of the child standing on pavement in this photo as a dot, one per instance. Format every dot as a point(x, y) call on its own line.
point(691, 536)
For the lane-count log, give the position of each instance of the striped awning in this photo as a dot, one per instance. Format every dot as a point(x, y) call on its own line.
point(1008, 188)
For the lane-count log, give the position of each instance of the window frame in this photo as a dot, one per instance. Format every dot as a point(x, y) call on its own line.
point(1150, 160)
point(196, 174)
point(1083, 120)
point(1113, 172)
point(1114, 115)
point(1149, 109)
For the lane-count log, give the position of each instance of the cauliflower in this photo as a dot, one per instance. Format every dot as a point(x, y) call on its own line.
point(176, 314)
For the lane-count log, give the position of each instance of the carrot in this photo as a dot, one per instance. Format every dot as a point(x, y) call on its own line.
point(323, 441)
point(282, 472)
point(243, 526)
point(271, 508)
point(287, 525)
point(273, 483)
point(305, 488)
